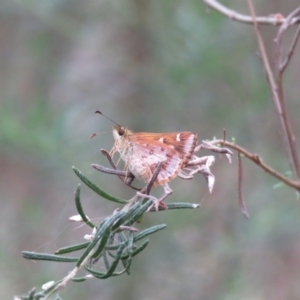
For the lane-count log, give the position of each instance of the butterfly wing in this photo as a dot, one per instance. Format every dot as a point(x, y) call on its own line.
point(172, 149)
point(183, 143)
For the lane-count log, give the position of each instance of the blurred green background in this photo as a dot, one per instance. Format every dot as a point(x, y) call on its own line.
point(152, 66)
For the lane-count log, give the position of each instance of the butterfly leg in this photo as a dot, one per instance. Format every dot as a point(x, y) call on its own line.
point(199, 162)
point(201, 165)
point(167, 193)
point(209, 145)
point(182, 174)
point(127, 177)
point(158, 202)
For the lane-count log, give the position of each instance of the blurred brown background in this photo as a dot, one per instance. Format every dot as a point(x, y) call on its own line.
point(153, 66)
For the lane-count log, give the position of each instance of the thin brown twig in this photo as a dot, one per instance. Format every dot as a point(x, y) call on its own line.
point(291, 50)
point(278, 40)
point(275, 19)
point(263, 52)
point(286, 124)
point(242, 203)
point(224, 134)
point(276, 87)
point(277, 96)
point(257, 160)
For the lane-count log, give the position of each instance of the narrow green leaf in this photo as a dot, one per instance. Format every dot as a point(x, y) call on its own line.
point(122, 237)
point(137, 250)
point(78, 279)
point(112, 268)
point(102, 243)
point(49, 257)
point(130, 243)
point(138, 213)
point(73, 248)
point(97, 189)
point(149, 231)
point(40, 295)
point(126, 264)
point(180, 205)
point(31, 294)
point(114, 246)
point(105, 260)
point(99, 234)
point(80, 209)
point(101, 275)
point(140, 248)
point(128, 214)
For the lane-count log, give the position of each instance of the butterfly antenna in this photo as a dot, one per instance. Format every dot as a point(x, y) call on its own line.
point(100, 113)
point(97, 133)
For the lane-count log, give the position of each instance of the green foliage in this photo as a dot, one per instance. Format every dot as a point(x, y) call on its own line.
point(112, 243)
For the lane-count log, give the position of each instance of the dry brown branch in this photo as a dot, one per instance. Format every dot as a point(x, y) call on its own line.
point(280, 67)
point(291, 51)
point(274, 80)
point(242, 203)
point(258, 161)
point(274, 19)
point(264, 57)
point(278, 96)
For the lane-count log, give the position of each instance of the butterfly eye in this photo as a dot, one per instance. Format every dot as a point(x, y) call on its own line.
point(121, 131)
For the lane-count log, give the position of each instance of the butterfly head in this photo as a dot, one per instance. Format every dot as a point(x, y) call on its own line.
point(120, 132)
